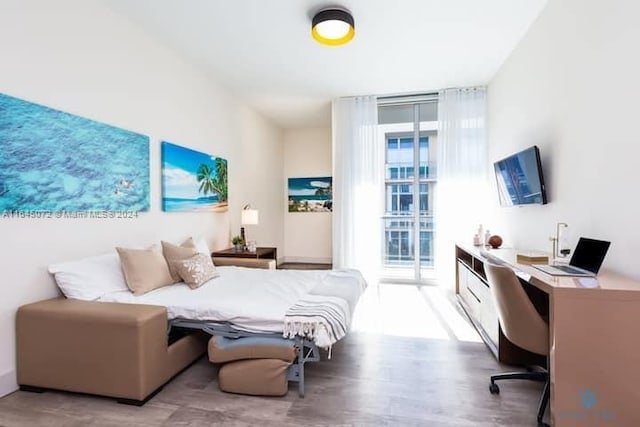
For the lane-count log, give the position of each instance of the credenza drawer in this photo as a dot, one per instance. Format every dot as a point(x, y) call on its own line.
point(477, 287)
point(471, 300)
point(487, 314)
point(489, 318)
point(477, 296)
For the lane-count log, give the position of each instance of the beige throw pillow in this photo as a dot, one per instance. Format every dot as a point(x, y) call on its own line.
point(199, 244)
point(144, 269)
point(176, 253)
point(196, 270)
point(189, 243)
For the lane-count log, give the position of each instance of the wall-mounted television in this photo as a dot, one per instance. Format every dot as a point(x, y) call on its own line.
point(520, 180)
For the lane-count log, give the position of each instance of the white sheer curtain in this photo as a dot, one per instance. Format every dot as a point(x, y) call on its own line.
point(461, 196)
point(358, 169)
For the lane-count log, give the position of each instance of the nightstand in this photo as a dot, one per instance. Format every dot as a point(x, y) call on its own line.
point(260, 253)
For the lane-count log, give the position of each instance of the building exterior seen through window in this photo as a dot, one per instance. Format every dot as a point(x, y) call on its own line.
point(408, 130)
point(401, 200)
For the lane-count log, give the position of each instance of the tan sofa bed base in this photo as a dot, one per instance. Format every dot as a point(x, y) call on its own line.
point(107, 349)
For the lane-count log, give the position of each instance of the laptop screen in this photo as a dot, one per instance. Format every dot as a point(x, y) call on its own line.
point(589, 254)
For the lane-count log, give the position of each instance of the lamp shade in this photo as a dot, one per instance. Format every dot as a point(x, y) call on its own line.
point(333, 27)
point(249, 217)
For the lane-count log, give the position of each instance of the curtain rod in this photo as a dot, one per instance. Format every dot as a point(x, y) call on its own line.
point(407, 99)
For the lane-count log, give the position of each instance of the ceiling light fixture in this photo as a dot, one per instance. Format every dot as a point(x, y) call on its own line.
point(333, 27)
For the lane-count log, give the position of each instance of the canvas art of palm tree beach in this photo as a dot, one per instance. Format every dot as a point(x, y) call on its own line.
point(192, 181)
point(311, 194)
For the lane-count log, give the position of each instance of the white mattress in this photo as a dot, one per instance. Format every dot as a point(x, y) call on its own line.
point(251, 299)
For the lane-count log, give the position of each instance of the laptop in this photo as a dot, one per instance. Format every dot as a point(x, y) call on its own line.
point(585, 262)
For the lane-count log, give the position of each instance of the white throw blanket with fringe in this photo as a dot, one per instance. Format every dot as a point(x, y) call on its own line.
point(323, 319)
point(324, 314)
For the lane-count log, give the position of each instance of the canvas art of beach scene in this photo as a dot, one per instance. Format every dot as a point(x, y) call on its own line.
point(192, 181)
point(52, 161)
point(310, 194)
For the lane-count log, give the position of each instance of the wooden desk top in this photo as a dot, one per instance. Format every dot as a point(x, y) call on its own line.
point(609, 281)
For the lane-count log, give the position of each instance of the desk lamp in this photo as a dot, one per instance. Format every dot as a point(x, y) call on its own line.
point(249, 217)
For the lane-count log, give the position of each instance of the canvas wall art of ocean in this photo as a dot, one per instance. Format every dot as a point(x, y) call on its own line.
point(192, 181)
point(55, 161)
point(310, 194)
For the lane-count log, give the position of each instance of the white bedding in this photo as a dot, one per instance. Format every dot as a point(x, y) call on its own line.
point(251, 299)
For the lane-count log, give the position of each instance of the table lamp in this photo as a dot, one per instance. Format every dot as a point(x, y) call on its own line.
point(249, 217)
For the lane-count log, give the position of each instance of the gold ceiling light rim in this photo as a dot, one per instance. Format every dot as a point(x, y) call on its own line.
point(332, 14)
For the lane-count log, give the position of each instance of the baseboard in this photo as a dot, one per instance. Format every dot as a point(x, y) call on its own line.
point(8, 383)
point(310, 260)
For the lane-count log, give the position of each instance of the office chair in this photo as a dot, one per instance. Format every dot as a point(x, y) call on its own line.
point(521, 324)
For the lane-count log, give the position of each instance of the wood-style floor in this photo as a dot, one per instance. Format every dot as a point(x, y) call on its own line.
point(412, 360)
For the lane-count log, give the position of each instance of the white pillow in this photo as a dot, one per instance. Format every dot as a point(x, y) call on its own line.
point(201, 246)
point(90, 278)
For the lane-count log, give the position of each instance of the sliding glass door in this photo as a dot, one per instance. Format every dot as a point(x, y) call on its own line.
point(410, 141)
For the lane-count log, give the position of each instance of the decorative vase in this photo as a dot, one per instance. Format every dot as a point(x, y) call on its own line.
point(495, 241)
point(237, 248)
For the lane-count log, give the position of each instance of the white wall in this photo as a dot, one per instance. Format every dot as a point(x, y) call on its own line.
point(571, 87)
point(80, 57)
point(307, 236)
point(258, 174)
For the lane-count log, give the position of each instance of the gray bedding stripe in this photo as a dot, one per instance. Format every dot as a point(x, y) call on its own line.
point(333, 316)
point(335, 324)
point(328, 311)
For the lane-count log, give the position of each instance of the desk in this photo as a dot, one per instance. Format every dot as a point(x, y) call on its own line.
point(594, 340)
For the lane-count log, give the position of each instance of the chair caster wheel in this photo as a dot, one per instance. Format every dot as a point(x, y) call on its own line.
point(494, 389)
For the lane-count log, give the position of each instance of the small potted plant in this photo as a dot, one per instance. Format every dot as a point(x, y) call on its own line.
point(238, 243)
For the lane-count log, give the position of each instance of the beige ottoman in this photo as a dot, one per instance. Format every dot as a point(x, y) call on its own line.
point(258, 377)
point(253, 365)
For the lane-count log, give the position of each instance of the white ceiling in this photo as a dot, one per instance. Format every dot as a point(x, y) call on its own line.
point(263, 52)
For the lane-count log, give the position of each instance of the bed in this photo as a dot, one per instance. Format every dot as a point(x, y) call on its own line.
point(314, 308)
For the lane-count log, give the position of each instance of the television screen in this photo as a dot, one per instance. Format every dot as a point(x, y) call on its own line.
point(520, 179)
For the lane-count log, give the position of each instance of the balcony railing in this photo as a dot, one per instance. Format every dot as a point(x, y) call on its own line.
point(399, 240)
point(405, 171)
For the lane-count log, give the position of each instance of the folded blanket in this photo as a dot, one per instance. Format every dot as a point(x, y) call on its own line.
point(321, 318)
point(324, 314)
